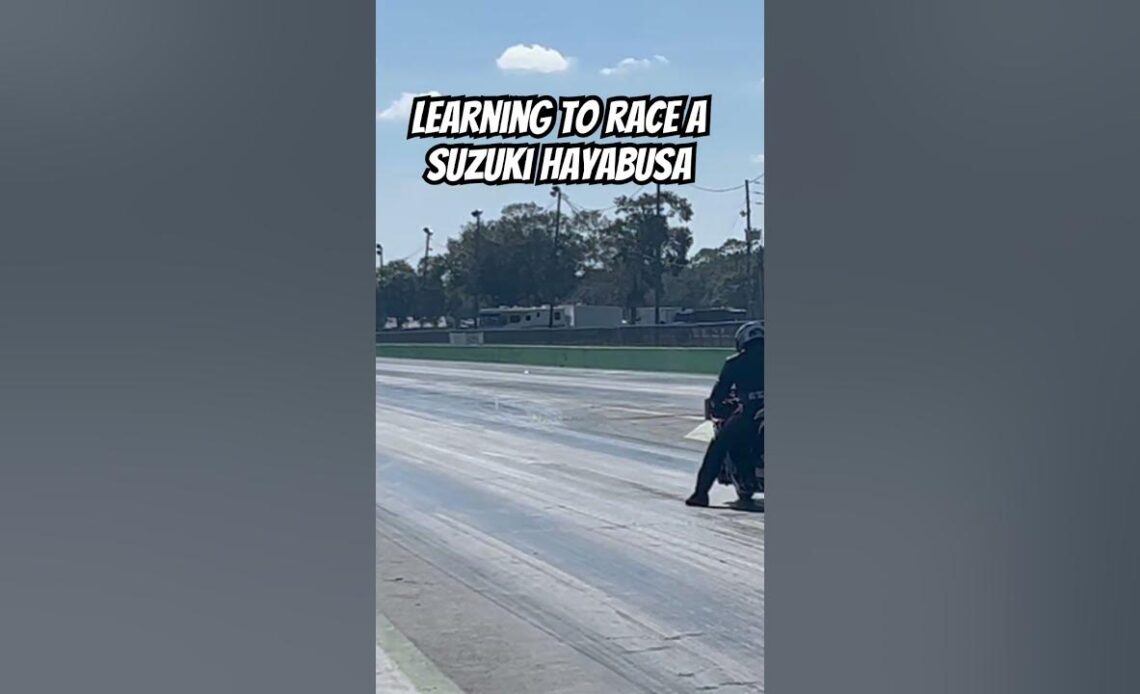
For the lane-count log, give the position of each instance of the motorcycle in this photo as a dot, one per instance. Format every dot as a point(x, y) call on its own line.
point(747, 475)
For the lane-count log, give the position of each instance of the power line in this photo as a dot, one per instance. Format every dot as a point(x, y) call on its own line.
point(578, 208)
point(736, 219)
point(719, 190)
point(410, 255)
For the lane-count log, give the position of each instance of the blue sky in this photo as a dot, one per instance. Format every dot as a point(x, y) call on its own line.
point(453, 47)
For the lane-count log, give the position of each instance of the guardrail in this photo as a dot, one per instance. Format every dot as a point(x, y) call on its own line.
point(670, 335)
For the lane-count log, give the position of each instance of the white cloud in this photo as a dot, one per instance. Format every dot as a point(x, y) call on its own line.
point(401, 108)
point(757, 159)
point(533, 58)
point(628, 65)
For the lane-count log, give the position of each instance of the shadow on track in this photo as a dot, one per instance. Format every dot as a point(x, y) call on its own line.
point(753, 506)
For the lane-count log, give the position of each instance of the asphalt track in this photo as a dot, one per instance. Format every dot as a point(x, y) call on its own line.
point(531, 535)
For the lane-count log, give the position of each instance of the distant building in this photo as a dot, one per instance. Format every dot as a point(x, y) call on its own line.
point(565, 316)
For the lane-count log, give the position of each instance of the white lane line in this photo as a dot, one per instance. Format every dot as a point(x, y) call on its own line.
point(401, 668)
point(389, 679)
point(703, 432)
point(652, 413)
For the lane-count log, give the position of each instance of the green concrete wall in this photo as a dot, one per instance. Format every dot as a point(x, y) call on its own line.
point(697, 360)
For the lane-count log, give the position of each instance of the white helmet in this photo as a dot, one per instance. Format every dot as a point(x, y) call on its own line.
point(749, 332)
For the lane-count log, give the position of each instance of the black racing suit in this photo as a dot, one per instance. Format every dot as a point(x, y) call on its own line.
point(745, 372)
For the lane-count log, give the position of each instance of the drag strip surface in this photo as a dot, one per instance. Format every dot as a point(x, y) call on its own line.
point(531, 536)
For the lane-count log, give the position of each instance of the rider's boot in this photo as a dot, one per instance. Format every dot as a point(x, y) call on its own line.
point(698, 499)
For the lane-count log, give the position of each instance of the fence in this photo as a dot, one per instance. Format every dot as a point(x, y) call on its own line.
point(672, 335)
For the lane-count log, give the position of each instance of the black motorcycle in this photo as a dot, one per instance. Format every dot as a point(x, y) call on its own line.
point(747, 475)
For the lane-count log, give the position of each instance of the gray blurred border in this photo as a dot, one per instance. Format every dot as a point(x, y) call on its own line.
point(185, 358)
point(186, 390)
point(952, 346)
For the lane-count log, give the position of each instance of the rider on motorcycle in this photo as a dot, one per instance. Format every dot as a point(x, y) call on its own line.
point(744, 371)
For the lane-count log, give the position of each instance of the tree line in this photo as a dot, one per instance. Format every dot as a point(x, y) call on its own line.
point(527, 257)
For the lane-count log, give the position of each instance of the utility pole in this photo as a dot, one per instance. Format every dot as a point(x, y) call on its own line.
point(557, 193)
point(748, 250)
point(427, 248)
point(380, 254)
point(478, 215)
point(657, 270)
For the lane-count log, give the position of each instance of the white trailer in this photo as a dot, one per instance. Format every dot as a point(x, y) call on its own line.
point(667, 314)
point(565, 316)
point(584, 316)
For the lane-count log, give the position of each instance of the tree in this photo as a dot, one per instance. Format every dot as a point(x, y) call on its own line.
point(596, 281)
point(713, 277)
point(636, 256)
point(517, 263)
point(430, 292)
point(641, 246)
point(396, 291)
point(569, 258)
